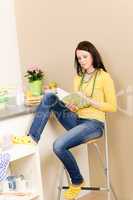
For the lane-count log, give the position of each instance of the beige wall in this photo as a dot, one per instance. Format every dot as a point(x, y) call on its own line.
point(48, 32)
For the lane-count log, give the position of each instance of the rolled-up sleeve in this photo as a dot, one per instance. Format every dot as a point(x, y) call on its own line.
point(110, 101)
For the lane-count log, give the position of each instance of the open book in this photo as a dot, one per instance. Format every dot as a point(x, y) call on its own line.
point(76, 99)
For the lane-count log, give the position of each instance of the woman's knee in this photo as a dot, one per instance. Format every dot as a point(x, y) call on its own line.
point(49, 99)
point(58, 146)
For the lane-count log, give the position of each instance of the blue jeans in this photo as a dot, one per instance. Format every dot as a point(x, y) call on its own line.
point(79, 131)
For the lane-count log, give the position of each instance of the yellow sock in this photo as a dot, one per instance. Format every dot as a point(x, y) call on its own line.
point(73, 191)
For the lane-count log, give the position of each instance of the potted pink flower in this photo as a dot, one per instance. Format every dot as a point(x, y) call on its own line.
point(35, 77)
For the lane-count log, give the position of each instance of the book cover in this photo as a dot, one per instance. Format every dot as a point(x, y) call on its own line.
point(76, 99)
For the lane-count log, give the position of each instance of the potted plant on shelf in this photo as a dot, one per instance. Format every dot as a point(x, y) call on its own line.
point(35, 77)
point(3, 98)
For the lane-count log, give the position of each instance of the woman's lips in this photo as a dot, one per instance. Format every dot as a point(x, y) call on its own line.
point(83, 64)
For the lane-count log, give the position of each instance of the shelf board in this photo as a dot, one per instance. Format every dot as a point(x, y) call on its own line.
point(19, 151)
point(12, 196)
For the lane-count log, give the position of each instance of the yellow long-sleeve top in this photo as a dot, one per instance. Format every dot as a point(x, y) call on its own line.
point(104, 93)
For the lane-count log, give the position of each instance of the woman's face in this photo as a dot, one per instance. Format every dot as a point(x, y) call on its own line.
point(84, 58)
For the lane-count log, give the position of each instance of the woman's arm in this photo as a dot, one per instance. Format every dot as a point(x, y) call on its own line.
point(110, 102)
point(76, 83)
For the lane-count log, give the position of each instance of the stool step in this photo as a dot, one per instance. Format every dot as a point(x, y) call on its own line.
point(83, 188)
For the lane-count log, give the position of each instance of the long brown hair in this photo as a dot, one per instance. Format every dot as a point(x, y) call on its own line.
point(97, 60)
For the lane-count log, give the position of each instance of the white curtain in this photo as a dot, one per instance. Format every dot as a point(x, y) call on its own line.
point(10, 74)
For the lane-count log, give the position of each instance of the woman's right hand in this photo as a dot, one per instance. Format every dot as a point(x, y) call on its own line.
point(72, 107)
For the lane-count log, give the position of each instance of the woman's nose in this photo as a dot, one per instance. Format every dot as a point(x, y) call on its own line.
point(82, 60)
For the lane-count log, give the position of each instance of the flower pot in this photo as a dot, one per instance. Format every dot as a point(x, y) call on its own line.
point(3, 101)
point(35, 87)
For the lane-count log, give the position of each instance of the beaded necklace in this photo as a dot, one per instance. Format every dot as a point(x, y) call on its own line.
point(82, 81)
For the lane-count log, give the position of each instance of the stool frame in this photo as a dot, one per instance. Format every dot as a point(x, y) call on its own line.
point(105, 165)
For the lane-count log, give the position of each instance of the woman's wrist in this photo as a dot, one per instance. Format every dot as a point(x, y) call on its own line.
point(84, 96)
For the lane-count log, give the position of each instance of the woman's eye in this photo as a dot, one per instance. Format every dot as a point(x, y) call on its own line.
point(79, 58)
point(85, 56)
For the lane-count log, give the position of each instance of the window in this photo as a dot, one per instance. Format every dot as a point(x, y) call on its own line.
point(9, 55)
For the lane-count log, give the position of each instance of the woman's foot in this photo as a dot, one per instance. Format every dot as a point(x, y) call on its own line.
point(23, 140)
point(73, 191)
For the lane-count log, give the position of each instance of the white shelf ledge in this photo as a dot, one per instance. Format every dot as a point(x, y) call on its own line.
point(16, 197)
point(19, 151)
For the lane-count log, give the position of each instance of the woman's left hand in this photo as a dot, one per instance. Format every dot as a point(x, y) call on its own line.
point(90, 100)
point(83, 95)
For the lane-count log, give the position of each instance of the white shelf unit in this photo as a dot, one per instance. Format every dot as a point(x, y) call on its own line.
point(13, 197)
point(25, 160)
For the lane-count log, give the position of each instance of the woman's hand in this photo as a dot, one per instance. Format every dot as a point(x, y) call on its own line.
point(72, 107)
point(82, 95)
point(90, 100)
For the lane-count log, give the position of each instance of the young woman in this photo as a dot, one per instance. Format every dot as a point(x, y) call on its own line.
point(82, 123)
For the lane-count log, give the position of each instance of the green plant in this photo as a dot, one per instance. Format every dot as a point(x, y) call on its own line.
point(34, 73)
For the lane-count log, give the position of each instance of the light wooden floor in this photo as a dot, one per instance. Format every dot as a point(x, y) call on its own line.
point(95, 196)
